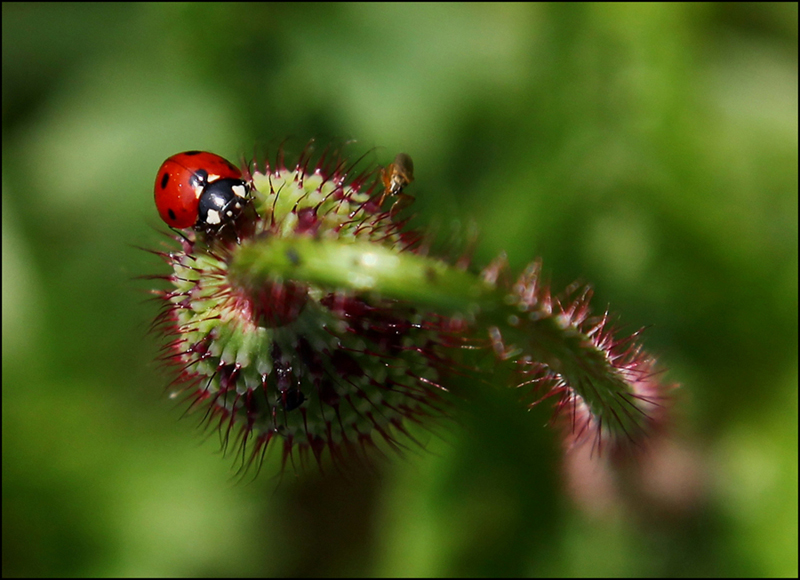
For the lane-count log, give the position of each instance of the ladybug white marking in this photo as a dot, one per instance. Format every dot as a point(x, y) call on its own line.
point(213, 217)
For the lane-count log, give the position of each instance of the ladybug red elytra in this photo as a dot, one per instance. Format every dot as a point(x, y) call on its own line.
point(199, 189)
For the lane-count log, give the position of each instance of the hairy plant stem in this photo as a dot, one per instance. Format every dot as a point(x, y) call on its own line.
point(365, 268)
point(517, 334)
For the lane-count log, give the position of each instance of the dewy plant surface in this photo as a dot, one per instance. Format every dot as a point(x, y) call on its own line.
point(314, 319)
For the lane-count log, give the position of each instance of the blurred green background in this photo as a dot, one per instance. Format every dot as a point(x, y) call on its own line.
point(648, 149)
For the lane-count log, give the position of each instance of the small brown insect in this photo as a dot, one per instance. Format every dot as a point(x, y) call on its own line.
point(395, 178)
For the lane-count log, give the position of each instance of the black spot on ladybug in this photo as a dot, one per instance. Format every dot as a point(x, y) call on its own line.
point(172, 215)
point(164, 179)
point(193, 153)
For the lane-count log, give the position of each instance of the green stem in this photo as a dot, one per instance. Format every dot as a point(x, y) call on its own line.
point(363, 267)
point(366, 267)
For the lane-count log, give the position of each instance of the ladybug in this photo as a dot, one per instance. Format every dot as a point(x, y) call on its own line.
point(199, 189)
